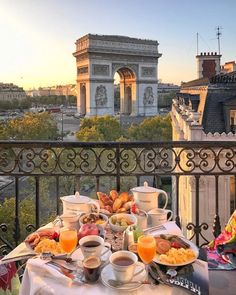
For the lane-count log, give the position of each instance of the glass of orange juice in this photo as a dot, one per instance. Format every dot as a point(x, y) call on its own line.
point(68, 240)
point(146, 249)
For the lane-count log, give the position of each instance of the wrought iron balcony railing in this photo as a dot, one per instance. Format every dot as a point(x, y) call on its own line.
point(40, 172)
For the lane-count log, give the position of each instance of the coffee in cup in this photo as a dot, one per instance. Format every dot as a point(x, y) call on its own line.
point(92, 268)
point(93, 246)
point(124, 264)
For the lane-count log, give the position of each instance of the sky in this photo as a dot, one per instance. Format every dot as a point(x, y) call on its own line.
point(37, 37)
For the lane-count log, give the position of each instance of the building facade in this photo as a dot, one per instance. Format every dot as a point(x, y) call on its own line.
point(69, 89)
point(99, 57)
point(10, 92)
point(205, 110)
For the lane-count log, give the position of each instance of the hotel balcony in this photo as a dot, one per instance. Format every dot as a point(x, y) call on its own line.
point(199, 178)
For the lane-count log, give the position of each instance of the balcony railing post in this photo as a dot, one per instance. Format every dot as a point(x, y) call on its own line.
point(177, 219)
point(16, 219)
point(216, 223)
point(197, 228)
point(37, 203)
point(118, 167)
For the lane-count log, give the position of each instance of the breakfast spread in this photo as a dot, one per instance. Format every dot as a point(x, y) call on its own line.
point(119, 227)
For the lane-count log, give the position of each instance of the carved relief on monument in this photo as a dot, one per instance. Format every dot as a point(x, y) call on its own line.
point(100, 70)
point(148, 97)
point(148, 72)
point(101, 96)
point(82, 70)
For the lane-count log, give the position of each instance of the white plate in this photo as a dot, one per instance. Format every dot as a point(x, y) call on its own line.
point(107, 274)
point(78, 255)
point(193, 247)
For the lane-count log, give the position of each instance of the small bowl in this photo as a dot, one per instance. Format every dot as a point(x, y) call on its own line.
point(91, 218)
point(117, 221)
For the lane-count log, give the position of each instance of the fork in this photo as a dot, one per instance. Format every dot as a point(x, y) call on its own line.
point(154, 228)
point(47, 255)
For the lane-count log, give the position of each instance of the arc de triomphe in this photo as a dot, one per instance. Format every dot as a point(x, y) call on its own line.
point(99, 57)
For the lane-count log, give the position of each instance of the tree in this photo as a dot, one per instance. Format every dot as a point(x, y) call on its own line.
point(157, 128)
point(30, 127)
point(105, 128)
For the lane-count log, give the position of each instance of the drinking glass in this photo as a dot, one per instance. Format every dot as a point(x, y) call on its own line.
point(146, 249)
point(68, 240)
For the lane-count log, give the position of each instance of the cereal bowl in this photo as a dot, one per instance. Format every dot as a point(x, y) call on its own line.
point(97, 218)
point(120, 221)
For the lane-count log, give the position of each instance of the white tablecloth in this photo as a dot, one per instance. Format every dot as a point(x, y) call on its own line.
point(41, 281)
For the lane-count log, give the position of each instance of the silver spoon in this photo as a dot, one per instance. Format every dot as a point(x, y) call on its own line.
point(115, 283)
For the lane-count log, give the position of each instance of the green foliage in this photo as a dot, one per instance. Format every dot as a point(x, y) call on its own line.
point(7, 215)
point(105, 128)
point(27, 102)
point(157, 128)
point(165, 99)
point(32, 126)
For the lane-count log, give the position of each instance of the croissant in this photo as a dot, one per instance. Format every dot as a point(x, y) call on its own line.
point(114, 194)
point(117, 204)
point(124, 197)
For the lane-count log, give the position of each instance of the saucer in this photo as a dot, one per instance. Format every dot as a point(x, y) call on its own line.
point(107, 274)
point(78, 255)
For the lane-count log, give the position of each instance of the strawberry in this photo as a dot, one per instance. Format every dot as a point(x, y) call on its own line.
point(55, 236)
point(134, 208)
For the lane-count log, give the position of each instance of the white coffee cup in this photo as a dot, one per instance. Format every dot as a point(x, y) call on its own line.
point(93, 246)
point(142, 219)
point(159, 216)
point(124, 264)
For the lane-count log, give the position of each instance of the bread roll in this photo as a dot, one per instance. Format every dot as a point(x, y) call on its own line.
point(117, 204)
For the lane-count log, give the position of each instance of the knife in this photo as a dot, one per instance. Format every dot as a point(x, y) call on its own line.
point(158, 274)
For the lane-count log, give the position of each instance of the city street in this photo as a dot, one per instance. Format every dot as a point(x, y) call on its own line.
point(67, 124)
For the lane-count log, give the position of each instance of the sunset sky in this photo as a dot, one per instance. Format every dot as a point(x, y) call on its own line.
point(37, 37)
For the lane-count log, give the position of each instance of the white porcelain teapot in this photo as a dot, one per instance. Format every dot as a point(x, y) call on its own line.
point(78, 204)
point(146, 196)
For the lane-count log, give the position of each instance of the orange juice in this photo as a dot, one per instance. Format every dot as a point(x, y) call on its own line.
point(68, 240)
point(146, 248)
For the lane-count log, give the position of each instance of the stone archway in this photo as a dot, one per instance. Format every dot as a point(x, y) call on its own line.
point(128, 84)
point(99, 57)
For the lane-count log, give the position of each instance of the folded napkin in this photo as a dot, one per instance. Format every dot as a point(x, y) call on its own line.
point(221, 251)
point(42, 269)
point(22, 251)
